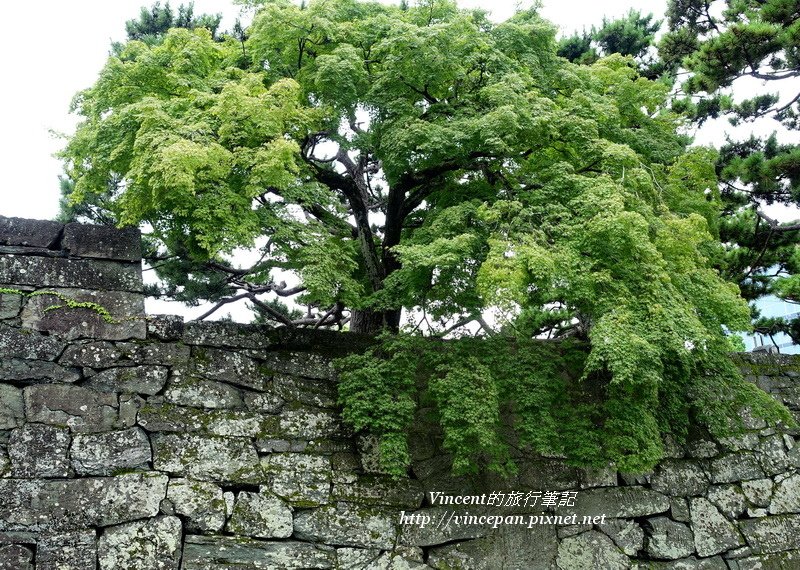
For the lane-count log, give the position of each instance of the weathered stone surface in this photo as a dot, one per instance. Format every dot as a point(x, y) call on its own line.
point(713, 533)
point(787, 496)
point(232, 367)
point(107, 453)
point(81, 409)
point(348, 525)
point(159, 353)
point(104, 242)
point(356, 558)
point(207, 458)
point(310, 423)
point(735, 467)
point(10, 305)
point(547, 475)
point(75, 504)
point(437, 533)
point(130, 379)
point(306, 364)
point(626, 534)
point(318, 393)
point(266, 403)
point(37, 450)
point(222, 553)
point(260, 515)
point(228, 423)
point(772, 534)
point(532, 549)
point(679, 477)
point(29, 233)
point(602, 477)
point(12, 407)
point(35, 370)
point(690, 563)
point(590, 550)
point(729, 499)
point(679, 509)
point(189, 391)
point(200, 503)
point(758, 491)
point(164, 327)
point(79, 273)
point(772, 455)
point(67, 550)
point(28, 344)
point(703, 449)
point(100, 354)
point(782, 561)
point(127, 310)
point(620, 502)
point(668, 539)
point(376, 490)
point(301, 479)
point(220, 334)
point(16, 557)
point(154, 544)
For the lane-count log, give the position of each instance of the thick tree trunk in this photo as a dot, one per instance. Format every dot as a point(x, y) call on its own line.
point(374, 322)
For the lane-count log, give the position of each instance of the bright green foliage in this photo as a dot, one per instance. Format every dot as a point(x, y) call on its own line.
point(430, 160)
point(720, 43)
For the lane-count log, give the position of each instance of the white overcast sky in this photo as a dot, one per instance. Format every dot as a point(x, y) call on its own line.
point(58, 48)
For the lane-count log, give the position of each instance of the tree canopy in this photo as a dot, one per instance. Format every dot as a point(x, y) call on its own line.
point(720, 45)
point(426, 159)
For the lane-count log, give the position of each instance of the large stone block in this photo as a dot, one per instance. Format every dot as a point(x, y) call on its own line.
point(260, 515)
point(620, 502)
point(787, 496)
point(532, 549)
point(310, 423)
point(30, 233)
point(669, 540)
point(16, 557)
point(79, 273)
point(37, 450)
point(348, 525)
point(679, 478)
point(158, 353)
point(12, 407)
point(226, 423)
point(227, 366)
point(377, 490)
point(190, 391)
point(66, 550)
point(200, 503)
point(100, 354)
point(148, 380)
point(772, 534)
point(305, 364)
point(626, 534)
point(28, 344)
point(207, 458)
point(590, 549)
point(104, 242)
point(318, 393)
point(220, 334)
point(736, 467)
point(224, 552)
point(125, 308)
point(108, 453)
point(10, 305)
point(36, 371)
point(75, 504)
point(713, 533)
point(81, 409)
point(303, 480)
point(153, 544)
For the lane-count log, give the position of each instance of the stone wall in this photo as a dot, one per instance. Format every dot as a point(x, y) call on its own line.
point(146, 443)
